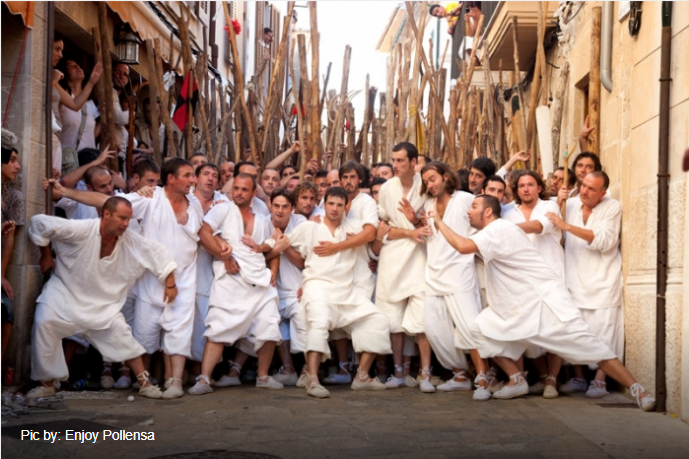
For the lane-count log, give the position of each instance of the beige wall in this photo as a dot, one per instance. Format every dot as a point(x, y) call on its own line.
point(629, 153)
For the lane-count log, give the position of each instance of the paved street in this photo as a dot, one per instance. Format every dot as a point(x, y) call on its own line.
point(401, 424)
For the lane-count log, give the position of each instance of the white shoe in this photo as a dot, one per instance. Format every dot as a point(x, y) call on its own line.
point(597, 389)
point(481, 394)
point(648, 403)
point(520, 388)
point(123, 382)
point(368, 383)
point(173, 392)
point(151, 391)
point(106, 382)
point(394, 383)
point(268, 382)
point(337, 378)
point(286, 379)
point(573, 385)
point(452, 384)
point(493, 384)
point(313, 388)
point(303, 378)
point(426, 382)
point(41, 392)
point(202, 386)
point(410, 382)
point(550, 392)
point(151, 379)
point(537, 388)
point(227, 381)
point(168, 383)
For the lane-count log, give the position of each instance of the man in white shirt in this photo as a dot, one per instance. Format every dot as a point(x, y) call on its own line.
point(593, 269)
point(242, 307)
point(401, 285)
point(529, 213)
point(529, 305)
point(330, 299)
point(452, 296)
point(97, 260)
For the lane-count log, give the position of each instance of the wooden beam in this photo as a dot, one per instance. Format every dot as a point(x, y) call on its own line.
point(518, 104)
point(594, 82)
point(337, 131)
point(305, 83)
point(153, 91)
point(108, 132)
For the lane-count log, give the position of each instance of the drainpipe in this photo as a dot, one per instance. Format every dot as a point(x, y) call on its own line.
point(663, 195)
point(49, 38)
point(606, 46)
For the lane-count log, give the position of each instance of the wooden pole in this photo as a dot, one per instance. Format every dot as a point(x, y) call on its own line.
point(305, 83)
point(239, 85)
point(108, 132)
point(557, 109)
point(416, 70)
point(342, 101)
point(536, 82)
point(317, 147)
point(199, 74)
point(153, 91)
point(518, 99)
point(594, 82)
point(389, 118)
point(164, 99)
point(300, 120)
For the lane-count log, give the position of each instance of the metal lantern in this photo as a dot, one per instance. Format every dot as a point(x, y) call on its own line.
point(128, 47)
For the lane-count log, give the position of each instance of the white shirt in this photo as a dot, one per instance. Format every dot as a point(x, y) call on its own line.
point(518, 283)
point(204, 260)
point(402, 264)
point(289, 276)
point(71, 121)
point(594, 271)
point(447, 270)
point(547, 242)
point(328, 279)
point(260, 207)
point(364, 210)
point(86, 289)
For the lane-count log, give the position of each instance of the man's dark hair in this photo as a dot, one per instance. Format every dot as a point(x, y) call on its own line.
point(111, 204)
point(322, 173)
point(463, 176)
point(338, 192)
point(285, 194)
point(492, 203)
point(539, 181)
point(171, 167)
point(592, 156)
point(377, 181)
point(410, 148)
point(426, 159)
point(267, 30)
point(249, 176)
point(201, 167)
point(302, 187)
point(87, 155)
point(603, 175)
point(392, 169)
point(92, 172)
point(145, 165)
point(451, 179)
point(283, 168)
point(198, 153)
point(7, 154)
point(352, 166)
point(239, 166)
point(571, 178)
point(433, 7)
point(485, 165)
point(493, 178)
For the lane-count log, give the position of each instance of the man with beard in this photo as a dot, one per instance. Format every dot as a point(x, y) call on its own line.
point(530, 214)
point(452, 295)
point(529, 304)
point(305, 199)
point(242, 307)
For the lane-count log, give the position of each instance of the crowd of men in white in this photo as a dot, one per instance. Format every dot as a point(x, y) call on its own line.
point(185, 269)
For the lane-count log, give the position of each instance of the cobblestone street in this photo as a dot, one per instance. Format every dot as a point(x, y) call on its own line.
point(401, 424)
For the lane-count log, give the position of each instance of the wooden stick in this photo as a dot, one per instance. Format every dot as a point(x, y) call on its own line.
point(468, 75)
point(557, 110)
point(416, 68)
point(434, 89)
point(300, 120)
point(153, 92)
point(108, 133)
point(342, 101)
point(518, 103)
point(325, 90)
point(199, 73)
point(317, 147)
point(389, 118)
point(239, 84)
point(594, 82)
point(307, 141)
point(536, 82)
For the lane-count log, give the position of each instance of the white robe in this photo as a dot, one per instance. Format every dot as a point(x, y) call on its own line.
point(547, 242)
point(364, 210)
point(402, 261)
point(519, 284)
point(594, 271)
point(86, 289)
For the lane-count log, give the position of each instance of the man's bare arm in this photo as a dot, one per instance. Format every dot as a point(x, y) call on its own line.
point(211, 244)
point(532, 227)
point(461, 244)
point(89, 198)
point(294, 257)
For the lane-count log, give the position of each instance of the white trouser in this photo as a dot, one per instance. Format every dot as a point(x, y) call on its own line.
point(405, 316)
point(608, 325)
point(198, 342)
point(368, 327)
point(115, 343)
point(448, 321)
point(571, 340)
point(292, 324)
point(167, 328)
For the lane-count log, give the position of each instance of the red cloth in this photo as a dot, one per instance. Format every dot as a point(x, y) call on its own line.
point(182, 111)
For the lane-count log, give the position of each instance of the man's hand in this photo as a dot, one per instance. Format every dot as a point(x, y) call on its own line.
point(315, 218)
point(57, 191)
point(419, 233)
point(147, 191)
point(586, 130)
point(300, 292)
point(170, 294)
point(383, 230)
point(327, 157)
point(8, 228)
point(231, 266)
point(295, 147)
point(118, 181)
point(312, 166)
point(96, 73)
point(281, 243)
point(273, 278)
point(56, 174)
point(408, 211)
point(7, 287)
point(557, 221)
point(562, 195)
point(46, 263)
point(277, 232)
point(325, 249)
point(103, 158)
point(256, 248)
point(225, 248)
point(519, 156)
point(373, 265)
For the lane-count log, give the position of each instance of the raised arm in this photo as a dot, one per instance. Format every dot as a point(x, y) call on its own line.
point(89, 198)
point(462, 244)
point(71, 179)
point(76, 103)
point(279, 160)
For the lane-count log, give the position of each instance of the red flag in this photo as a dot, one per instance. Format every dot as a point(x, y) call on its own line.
point(182, 111)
